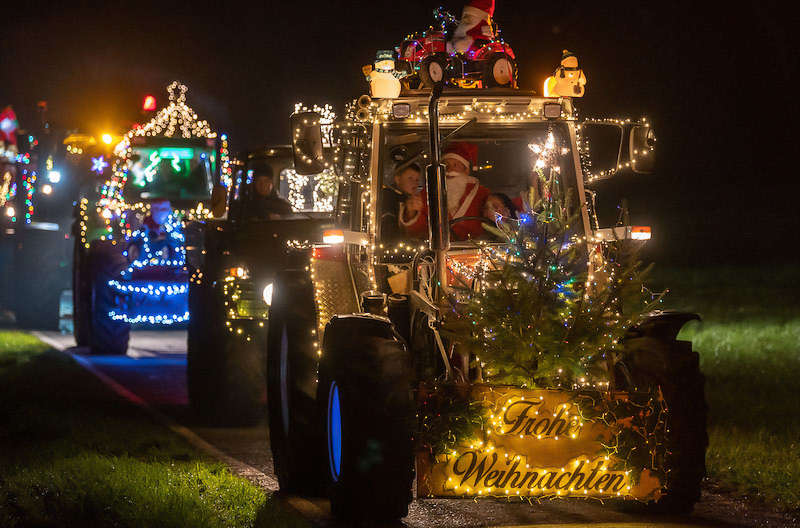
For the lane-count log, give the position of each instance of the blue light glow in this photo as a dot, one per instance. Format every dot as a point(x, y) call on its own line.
point(334, 432)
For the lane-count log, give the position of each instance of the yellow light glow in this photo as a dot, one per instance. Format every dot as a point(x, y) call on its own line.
point(107, 138)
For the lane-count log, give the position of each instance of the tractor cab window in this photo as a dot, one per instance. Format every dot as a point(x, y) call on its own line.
point(494, 172)
point(268, 188)
point(315, 193)
point(173, 172)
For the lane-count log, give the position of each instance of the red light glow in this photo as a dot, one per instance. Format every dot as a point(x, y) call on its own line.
point(149, 103)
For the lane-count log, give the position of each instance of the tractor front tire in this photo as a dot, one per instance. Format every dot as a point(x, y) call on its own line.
point(107, 336)
point(675, 368)
point(295, 433)
point(365, 382)
point(225, 371)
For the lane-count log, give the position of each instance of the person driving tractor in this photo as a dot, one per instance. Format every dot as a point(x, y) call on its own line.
point(264, 202)
point(465, 196)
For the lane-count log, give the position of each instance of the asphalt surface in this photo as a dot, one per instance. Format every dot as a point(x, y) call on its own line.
point(155, 371)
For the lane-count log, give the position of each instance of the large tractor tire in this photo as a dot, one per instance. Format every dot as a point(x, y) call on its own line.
point(295, 431)
point(225, 371)
point(201, 374)
point(675, 368)
point(107, 336)
point(365, 383)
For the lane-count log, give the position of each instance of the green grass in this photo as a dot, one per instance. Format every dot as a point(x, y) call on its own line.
point(749, 345)
point(72, 453)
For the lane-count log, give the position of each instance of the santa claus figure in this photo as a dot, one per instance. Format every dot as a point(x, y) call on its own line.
point(475, 27)
point(465, 196)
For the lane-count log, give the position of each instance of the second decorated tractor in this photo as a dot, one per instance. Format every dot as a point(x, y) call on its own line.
point(271, 210)
point(130, 251)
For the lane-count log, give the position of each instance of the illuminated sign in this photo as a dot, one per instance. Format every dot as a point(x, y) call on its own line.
point(537, 444)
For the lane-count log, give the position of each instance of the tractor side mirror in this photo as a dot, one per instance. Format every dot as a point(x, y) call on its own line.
point(601, 149)
point(642, 149)
point(307, 143)
point(611, 146)
point(219, 201)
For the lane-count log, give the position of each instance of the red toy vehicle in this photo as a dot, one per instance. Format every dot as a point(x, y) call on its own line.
point(426, 59)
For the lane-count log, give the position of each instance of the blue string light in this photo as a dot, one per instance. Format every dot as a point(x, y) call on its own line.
point(161, 301)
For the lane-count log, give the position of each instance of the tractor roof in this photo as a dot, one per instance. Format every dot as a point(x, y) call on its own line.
point(491, 105)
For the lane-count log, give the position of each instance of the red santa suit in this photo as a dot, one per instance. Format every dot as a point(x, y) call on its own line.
point(475, 26)
point(465, 197)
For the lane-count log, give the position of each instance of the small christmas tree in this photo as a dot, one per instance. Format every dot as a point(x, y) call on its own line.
point(541, 312)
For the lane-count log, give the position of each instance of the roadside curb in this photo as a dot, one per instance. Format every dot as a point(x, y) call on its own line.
point(301, 506)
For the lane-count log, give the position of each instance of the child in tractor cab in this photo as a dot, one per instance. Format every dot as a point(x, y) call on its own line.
point(466, 197)
point(475, 27)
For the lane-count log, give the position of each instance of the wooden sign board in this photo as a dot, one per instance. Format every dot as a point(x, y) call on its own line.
point(537, 445)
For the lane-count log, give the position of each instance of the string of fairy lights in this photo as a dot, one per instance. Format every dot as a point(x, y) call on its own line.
point(143, 293)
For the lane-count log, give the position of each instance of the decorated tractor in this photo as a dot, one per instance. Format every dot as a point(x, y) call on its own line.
point(130, 248)
point(466, 320)
point(271, 209)
point(468, 53)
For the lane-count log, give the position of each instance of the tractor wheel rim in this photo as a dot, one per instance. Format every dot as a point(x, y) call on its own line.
point(502, 71)
point(334, 431)
point(435, 71)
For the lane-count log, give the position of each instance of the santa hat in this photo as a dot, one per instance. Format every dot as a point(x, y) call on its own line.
point(466, 153)
point(485, 6)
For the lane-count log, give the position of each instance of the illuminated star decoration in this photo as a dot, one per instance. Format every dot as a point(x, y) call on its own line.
point(99, 164)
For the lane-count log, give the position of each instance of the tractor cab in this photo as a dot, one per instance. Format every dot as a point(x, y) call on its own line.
point(525, 146)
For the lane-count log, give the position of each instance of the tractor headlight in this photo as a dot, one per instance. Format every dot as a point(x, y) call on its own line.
point(237, 272)
point(267, 294)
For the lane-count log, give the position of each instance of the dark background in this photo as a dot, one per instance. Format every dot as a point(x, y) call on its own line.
point(716, 80)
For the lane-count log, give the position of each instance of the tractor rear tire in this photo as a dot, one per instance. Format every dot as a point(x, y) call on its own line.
point(295, 432)
point(675, 368)
point(432, 70)
point(107, 336)
point(365, 382)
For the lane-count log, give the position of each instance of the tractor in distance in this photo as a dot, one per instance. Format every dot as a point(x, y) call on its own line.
point(130, 248)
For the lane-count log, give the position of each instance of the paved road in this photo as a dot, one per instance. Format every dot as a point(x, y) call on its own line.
point(155, 371)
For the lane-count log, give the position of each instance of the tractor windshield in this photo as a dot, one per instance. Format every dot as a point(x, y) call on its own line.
point(175, 171)
point(512, 166)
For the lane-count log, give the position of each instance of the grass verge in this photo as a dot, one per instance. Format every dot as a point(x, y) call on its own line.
point(72, 453)
point(749, 345)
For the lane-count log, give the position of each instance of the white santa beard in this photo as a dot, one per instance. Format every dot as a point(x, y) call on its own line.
point(456, 186)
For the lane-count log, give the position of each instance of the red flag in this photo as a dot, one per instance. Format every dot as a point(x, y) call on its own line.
point(8, 126)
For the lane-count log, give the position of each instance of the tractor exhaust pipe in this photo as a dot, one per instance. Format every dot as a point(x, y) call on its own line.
point(438, 220)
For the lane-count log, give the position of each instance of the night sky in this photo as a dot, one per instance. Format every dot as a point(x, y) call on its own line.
point(715, 80)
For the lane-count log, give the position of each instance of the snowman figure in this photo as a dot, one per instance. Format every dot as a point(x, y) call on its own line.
point(384, 79)
point(568, 79)
point(475, 27)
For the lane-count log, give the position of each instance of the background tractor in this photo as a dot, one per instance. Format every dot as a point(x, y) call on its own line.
point(234, 265)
